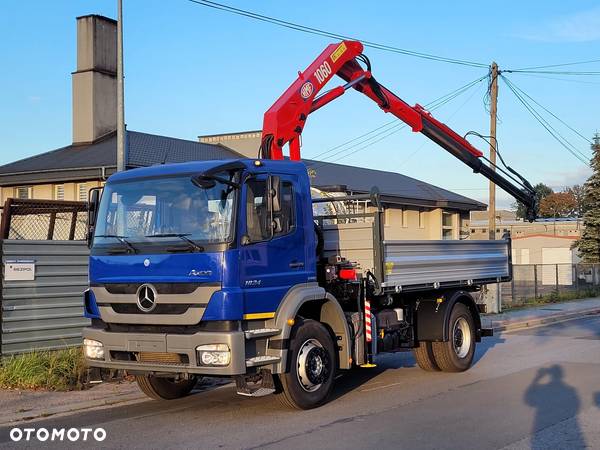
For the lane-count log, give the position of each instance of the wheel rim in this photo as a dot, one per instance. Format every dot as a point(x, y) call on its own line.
point(313, 365)
point(461, 337)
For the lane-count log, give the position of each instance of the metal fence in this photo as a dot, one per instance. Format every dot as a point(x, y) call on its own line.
point(43, 219)
point(559, 281)
point(45, 312)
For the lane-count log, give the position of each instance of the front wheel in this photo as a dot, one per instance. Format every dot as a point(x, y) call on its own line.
point(159, 388)
point(456, 355)
point(312, 366)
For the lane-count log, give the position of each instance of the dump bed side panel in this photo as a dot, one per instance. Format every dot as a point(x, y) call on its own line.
point(420, 263)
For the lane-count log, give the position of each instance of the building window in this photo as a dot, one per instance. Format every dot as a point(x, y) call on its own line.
point(22, 192)
point(421, 218)
point(59, 192)
point(404, 218)
point(473, 230)
point(447, 225)
point(82, 193)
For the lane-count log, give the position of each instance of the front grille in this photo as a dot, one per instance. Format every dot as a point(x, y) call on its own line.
point(162, 358)
point(161, 308)
point(161, 288)
point(209, 325)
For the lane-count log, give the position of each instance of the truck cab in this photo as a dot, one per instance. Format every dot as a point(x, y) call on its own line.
point(187, 258)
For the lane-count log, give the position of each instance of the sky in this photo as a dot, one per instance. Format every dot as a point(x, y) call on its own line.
point(191, 70)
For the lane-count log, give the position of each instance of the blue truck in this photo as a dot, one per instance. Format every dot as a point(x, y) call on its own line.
point(228, 269)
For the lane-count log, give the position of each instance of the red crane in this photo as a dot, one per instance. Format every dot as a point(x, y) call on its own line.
point(285, 120)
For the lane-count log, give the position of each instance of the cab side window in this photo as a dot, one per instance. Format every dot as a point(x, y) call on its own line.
point(262, 223)
point(284, 220)
point(258, 216)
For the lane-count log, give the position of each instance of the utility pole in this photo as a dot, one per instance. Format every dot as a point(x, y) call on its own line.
point(493, 143)
point(121, 158)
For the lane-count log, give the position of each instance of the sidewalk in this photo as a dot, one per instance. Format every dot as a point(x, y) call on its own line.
point(21, 406)
point(540, 315)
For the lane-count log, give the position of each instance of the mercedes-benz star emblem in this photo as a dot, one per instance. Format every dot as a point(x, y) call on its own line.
point(146, 298)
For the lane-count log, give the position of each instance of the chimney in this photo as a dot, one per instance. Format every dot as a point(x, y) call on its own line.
point(95, 80)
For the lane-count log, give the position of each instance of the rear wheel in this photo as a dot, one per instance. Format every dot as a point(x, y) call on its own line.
point(456, 355)
point(312, 366)
point(159, 388)
point(424, 356)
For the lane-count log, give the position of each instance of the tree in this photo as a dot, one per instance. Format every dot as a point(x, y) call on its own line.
point(578, 192)
point(541, 191)
point(558, 204)
point(588, 244)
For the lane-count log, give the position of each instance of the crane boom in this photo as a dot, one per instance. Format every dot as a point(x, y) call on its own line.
point(285, 120)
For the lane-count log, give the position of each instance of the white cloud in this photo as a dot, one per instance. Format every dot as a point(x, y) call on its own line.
point(582, 26)
point(559, 180)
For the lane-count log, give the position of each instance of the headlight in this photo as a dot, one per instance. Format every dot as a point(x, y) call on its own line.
point(93, 349)
point(213, 355)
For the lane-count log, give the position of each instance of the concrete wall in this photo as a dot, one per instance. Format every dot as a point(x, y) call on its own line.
point(534, 250)
point(523, 229)
point(417, 223)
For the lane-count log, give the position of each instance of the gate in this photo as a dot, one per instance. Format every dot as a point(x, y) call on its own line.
point(41, 296)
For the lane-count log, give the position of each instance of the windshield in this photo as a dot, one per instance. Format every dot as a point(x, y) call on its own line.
point(165, 209)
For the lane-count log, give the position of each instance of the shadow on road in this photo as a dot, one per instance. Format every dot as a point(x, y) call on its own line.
point(357, 377)
point(550, 396)
point(486, 344)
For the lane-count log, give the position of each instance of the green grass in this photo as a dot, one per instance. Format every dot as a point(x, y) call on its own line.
point(554, 297)
point(59, 370)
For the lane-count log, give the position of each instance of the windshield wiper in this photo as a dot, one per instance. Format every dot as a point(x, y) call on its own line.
point(182, 236)
point(122, 240)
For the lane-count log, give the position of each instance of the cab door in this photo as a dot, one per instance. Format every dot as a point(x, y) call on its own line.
point(272, 253)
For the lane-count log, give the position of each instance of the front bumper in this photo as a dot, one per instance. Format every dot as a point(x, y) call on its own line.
point(120, 345)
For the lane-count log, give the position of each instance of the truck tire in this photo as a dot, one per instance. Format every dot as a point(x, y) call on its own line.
point(159, 388)
point(312, 367)
point(456, 355)
point(424, 357)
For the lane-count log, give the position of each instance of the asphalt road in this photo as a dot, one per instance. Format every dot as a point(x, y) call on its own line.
point(530, 389)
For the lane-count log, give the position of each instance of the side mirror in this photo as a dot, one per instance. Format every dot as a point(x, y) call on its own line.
point(276, 193)
point(92, 212)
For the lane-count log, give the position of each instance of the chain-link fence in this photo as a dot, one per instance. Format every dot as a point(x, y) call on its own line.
point(54, 220)
point(532, 282)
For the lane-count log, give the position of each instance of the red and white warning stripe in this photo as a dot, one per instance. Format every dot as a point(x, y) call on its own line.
point(368, 321)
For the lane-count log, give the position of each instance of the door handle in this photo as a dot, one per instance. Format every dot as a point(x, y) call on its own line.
point(296, 265)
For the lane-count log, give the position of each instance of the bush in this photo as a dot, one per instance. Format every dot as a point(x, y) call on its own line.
point(59, 370)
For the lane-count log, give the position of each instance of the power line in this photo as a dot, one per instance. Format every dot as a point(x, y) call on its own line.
point(589, 61)
point(570, 80)
point(398, 124)
point(435, 104)
point(325, 33)
point(553, 115)
point(557, 136)
point(554, 72)
point(449, 118)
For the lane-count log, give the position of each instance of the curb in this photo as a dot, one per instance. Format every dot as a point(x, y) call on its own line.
point(532, 323)
point(83, 406)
